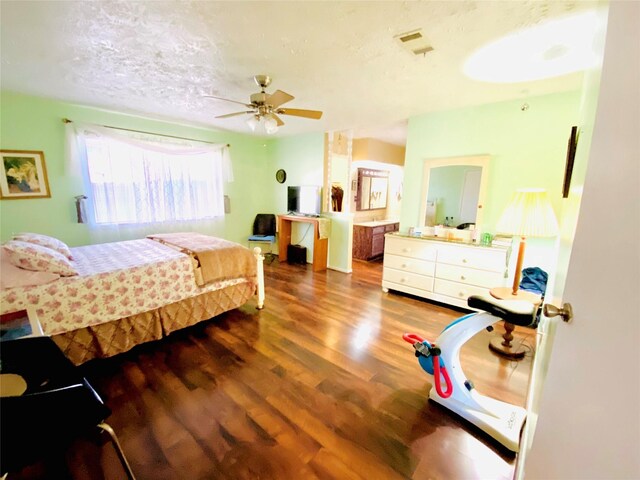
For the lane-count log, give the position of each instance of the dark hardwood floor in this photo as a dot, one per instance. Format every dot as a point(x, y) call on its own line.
point(319, 384)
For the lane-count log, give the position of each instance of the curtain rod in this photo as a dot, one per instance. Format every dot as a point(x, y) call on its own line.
point(66, 120)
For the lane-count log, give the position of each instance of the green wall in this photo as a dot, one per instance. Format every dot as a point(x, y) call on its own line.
point(302, 157)
point(32, 123)
point(527, 148)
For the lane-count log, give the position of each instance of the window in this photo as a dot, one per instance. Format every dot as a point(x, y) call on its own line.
point(134, 181)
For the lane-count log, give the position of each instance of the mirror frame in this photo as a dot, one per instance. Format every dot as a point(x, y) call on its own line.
point(362, 172)
point(472, 160)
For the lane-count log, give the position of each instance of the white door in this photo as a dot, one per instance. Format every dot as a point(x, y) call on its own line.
point(588, 423)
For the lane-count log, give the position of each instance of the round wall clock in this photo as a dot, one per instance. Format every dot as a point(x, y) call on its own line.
point(281, 176)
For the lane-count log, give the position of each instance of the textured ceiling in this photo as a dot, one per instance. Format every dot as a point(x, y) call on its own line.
point(158, 58)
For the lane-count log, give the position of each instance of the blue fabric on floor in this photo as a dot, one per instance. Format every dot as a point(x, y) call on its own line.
point(534, 280)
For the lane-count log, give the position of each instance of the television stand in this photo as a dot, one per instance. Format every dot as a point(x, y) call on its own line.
point(320, 245)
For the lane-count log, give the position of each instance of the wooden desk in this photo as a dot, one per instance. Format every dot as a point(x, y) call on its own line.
point(320, 245)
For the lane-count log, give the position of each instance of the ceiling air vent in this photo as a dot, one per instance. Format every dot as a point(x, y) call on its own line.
point(414, 42)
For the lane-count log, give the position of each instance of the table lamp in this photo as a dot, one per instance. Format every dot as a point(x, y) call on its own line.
point(528, 214)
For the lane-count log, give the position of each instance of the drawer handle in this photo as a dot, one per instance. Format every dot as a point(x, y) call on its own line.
point(462, 294)
point(406, 250)
point(462, 277)
point(404, 265)
point(402, 280)
point(464, 260)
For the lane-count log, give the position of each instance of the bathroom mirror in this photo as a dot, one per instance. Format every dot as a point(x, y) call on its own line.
point(372, 189)
point(454, 188)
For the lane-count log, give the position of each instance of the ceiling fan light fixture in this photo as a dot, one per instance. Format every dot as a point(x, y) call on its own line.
point(270, 125)
point(253, 122)
point(265, 108)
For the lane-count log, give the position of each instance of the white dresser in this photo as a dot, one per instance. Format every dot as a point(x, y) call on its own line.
point(447, 272)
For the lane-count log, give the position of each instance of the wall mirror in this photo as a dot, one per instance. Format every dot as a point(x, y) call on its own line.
point(454, 188)
point(372, 189)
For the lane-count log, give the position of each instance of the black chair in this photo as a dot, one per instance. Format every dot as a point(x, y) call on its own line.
point(264, 231)
point(58, 406)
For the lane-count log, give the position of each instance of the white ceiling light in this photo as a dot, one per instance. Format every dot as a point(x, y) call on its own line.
point(550, 49)
point(266, 122)
point(253, 122)
point(270, 124)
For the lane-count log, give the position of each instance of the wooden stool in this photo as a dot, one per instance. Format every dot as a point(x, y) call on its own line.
point(502, 345)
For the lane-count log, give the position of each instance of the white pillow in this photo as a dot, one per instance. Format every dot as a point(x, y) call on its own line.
point(38, 258)
point(12, 276)
point(45, 241)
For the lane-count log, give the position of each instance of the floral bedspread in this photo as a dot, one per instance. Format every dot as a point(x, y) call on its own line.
point(115, 280)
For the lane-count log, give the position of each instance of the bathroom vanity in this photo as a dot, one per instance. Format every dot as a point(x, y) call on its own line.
point(368, 238)
point(441, 270)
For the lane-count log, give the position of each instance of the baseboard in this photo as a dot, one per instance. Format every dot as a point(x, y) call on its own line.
point(338, 269)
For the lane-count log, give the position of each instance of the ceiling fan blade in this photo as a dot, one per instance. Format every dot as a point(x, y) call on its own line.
point(315, 114)
point(227, 100)
point(278, 98)
point(278, 119)
point(233, 114)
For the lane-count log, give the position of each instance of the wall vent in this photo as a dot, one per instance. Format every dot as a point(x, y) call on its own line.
point(414, 42)
point(410, 36)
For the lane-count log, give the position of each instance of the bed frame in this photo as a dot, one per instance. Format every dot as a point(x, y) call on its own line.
point(118, 336)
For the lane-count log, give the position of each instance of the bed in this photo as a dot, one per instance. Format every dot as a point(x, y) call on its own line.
point(135, 291)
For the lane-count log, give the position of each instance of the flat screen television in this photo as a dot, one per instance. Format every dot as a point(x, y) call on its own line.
point(304, 200)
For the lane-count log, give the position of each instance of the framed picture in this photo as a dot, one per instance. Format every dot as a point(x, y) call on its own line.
point(23, 175)
point(571, 156)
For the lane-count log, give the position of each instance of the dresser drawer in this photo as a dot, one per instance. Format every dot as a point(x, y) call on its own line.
point(471, 276)
point(392, 227)
point(413, 265)
point(420, 249)
point(482, 258)
point(457, 290)
point(423, 282)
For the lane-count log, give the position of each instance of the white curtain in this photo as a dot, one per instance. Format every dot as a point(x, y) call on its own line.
point(146, 179)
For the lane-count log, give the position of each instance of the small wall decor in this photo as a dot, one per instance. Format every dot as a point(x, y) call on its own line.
point(23, 175)
point(336, 197)
point(80, 210)
point(281, 176)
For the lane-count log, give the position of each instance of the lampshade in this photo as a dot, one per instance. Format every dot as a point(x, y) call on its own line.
point(528, 214)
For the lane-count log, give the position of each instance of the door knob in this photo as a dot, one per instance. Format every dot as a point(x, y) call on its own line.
point(566, 312)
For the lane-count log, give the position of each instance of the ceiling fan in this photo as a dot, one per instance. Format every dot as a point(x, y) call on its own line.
point(265, 107)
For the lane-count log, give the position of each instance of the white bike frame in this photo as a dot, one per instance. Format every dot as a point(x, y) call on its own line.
point(501, 420)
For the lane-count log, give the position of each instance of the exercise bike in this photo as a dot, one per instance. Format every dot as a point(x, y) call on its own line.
point(451, 389)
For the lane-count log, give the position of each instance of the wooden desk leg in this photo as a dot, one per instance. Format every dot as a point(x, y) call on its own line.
point(503, 346)
point(320, 247)
point(284, 239)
